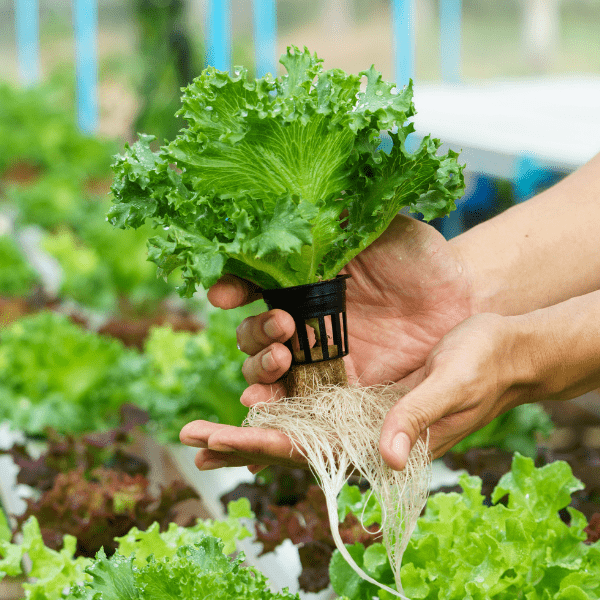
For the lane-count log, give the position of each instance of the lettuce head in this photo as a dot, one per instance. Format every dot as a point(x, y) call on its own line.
point(280, 181)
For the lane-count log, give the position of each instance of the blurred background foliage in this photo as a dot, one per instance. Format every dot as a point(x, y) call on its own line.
point(150, 48)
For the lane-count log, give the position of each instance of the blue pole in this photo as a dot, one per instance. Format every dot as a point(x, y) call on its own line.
point(85, 24)
point(218, 50)
point(450, 39)
point(28, 43)
point(403, 23)
point(265, 37)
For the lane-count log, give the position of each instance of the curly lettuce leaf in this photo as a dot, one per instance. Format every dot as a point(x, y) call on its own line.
point(280, 181)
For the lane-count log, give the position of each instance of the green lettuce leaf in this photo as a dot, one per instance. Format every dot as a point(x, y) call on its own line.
point(364, 506)
point(280, 181)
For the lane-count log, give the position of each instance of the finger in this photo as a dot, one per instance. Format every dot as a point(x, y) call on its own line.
point(256, 333)
point(410, 418)
point(260, 446)
point(208, 460)
point(267, 366)
point(231, 292)
point(196, 433)
point(258, 392)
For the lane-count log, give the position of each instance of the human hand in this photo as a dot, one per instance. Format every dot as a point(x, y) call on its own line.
point(407, 290)
point(481, 368)
point(490, 363)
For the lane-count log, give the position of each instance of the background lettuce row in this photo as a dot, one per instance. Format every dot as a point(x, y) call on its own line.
point(180, 563)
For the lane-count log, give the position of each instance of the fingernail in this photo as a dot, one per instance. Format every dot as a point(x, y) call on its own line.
point(268, 362)
point(208, 465)
point(401, 447)
point(272, 328)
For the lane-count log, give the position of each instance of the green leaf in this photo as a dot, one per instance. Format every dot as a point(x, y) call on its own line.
point(514, 431)
point(573, 592)
point(239, 509)
point(345, 581)
point(112, 579)
point(554, 483)
point(376, 564)
point(364, 506)
point(285, 232)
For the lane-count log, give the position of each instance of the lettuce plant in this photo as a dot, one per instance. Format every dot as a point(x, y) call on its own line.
point(54, 373)
point(192, 376)
point(200, 570)
point(38, 127)
point(280, 181)
point(517, 548)
point(54, 199)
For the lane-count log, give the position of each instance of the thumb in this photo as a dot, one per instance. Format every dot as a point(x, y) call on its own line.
point(412, 415)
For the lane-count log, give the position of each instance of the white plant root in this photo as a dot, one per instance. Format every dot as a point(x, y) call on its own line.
point(337, 430)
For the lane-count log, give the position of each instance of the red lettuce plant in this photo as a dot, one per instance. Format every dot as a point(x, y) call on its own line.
point(99, 506)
